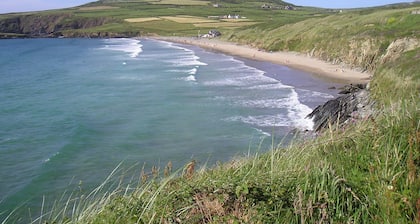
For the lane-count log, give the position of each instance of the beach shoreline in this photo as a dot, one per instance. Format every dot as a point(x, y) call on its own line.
point(291, 59)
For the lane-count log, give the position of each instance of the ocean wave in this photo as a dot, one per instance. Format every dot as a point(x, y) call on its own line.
point(263, 133)
point(193, 71)
point(266, 103)
point(54, 155)
point(185, 60)
point(314, 94)
point(186, 57)
point(242, 75)
point(130, 46)
point(249, 81)
point(277, 120)
point(271, 86)
point(297, 112)
point(294, 117)
point(190, 72)
point(190, 78)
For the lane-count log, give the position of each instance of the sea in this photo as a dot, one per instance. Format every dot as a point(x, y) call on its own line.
point(72, 110)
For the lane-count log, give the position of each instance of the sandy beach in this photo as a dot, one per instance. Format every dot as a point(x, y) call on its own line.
point(291, 59)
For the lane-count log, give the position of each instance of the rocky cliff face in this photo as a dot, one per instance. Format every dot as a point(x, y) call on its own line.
point(353, 105)
point(398, 47)
point(51, 25)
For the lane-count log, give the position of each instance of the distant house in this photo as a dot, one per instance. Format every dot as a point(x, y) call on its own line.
point(230, 17)
point(227, 17)
point(289, 7)
point(217, 5)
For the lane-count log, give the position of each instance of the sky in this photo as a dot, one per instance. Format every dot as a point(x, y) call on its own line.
point(343, 3)
point(7, 6)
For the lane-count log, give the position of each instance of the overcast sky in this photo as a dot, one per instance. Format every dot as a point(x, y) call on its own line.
point(7, 6)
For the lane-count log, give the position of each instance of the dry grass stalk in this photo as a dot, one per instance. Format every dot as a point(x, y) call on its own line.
point(168, 169)
point(189, 169)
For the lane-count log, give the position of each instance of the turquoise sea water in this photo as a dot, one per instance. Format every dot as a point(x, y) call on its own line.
point(72, 109)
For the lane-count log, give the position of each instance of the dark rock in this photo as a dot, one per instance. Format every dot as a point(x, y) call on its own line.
point(352, 88)
point(354, 105)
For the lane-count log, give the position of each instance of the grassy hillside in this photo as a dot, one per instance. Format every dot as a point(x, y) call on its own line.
point(119, 18)
point(368, 172)
point(358, 37)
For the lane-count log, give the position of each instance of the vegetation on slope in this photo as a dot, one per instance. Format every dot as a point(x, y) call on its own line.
point(113, 15)
point(366, 173)
point(359, 38)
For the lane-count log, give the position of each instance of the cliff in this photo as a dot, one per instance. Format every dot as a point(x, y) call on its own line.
point(53, 25)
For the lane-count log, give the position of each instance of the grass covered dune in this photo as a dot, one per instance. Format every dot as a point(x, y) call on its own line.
point(367, 172)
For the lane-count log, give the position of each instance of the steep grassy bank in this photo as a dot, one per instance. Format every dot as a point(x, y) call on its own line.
point(359, 38)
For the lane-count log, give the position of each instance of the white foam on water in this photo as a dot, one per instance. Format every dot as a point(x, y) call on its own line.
point(315, 94)
point(266, 103)
point(193, 71)
point(182, 60)
point(244, 76)
point(248, 81)
point(297, 112)
point(272, 86)
point(277, 120)
point(186, 57)
point(127, 45)
point(263, 133)
point(295, 116)
point(54, 155)
point(190, 78)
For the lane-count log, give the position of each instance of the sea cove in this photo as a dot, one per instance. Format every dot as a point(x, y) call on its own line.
point(73, 109)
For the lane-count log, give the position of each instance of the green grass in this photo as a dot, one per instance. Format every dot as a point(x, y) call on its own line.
point(352, 37)
point(144, 8)
point(367, 172)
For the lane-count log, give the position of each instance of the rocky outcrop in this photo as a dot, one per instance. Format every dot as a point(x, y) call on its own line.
point(355, 104)
point(398, 47)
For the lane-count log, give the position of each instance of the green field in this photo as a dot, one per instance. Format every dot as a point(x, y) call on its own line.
point(368, 172)
point(120, 12)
